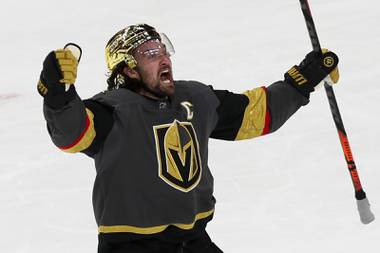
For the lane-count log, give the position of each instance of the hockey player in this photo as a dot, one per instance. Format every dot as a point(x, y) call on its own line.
point(148, 135)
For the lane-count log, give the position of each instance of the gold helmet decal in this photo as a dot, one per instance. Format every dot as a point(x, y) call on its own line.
point(119, 48)
point(179, 163)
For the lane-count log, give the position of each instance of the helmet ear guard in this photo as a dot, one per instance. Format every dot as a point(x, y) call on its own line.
point(130, 61)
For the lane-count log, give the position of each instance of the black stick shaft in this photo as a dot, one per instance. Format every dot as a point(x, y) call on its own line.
point(366, 216)
point(359, 192)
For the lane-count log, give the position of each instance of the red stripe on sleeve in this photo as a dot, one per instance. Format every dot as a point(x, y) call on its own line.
point(80, 136)
point(267, 116)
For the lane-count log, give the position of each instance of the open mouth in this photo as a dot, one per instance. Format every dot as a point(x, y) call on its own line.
point(166, 76)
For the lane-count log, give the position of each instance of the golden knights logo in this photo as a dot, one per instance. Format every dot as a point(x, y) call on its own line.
point(179, 163)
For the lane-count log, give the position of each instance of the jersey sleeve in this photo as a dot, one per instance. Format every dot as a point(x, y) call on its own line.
point(256, 112)
point(103, 122)
point(230, 114)
point(79, 126)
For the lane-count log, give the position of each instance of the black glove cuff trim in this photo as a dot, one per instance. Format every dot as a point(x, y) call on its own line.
point(62, 99)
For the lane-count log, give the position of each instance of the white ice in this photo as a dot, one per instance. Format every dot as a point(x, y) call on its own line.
point(288, 192)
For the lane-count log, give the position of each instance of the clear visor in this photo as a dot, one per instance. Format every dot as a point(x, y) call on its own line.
point(155, 49)
point(168, 44)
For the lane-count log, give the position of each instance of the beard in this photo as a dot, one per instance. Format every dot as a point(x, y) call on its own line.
point(136, 86)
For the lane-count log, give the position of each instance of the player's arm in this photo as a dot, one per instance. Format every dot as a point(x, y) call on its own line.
point(74, 125)
point(264, 110)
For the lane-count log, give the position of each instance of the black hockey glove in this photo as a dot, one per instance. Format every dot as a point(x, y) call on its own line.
point(312, 70)
point(59, 69)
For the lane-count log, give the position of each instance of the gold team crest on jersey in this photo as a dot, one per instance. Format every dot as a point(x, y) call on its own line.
point(179, 163)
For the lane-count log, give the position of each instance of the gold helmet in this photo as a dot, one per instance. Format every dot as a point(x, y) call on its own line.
point(119, 48)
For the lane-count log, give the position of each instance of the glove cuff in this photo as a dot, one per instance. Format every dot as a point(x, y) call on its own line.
point(60, 100)
point(295, 78)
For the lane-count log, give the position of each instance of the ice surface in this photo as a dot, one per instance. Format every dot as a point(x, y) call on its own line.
point(288, 192)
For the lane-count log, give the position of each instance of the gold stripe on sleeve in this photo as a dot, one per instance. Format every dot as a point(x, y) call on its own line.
point(86, 138)
point(253, 123)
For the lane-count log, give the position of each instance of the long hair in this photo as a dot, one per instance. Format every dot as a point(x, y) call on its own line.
point(118, 79)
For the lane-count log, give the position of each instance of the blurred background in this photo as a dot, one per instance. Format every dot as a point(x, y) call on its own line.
point(287, 192)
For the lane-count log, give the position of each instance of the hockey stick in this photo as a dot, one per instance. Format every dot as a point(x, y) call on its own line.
point(366, 216)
